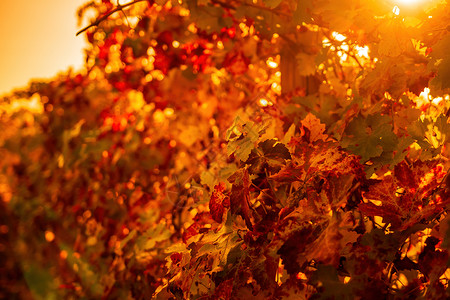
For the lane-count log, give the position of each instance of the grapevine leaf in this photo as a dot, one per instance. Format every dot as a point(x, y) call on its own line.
point(270, 153)
point(430, 135)
point(240, 195)
point(242, 138)
point(312, 127)
point(152, 236)
point(395, 39)
point(218, 202)
point(326, 248)
point(289, 134)
point(441, 63)
point(405, 198)
point(369, 137)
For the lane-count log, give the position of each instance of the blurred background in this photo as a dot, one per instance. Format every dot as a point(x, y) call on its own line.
point(37, 40)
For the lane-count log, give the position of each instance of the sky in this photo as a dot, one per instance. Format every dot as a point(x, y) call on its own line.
point(37, 40)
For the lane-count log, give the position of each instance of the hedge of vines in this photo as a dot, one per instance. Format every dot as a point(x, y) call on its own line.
point(213, 149)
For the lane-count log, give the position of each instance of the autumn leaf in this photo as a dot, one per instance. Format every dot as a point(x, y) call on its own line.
point(113, 181)
point(326, 248)
point(218, 202)
point(240, 195)
point(395, 39)
point(430, 134)
point(241, 138)
point(406, 197)
point(269, 153)
point(313, 129)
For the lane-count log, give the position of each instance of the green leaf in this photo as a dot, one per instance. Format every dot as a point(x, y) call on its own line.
point(369, 137)
point(441, 64)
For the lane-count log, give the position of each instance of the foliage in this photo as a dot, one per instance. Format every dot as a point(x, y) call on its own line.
point(228, 150)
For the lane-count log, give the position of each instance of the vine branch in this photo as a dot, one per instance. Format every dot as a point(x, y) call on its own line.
point(118, 8)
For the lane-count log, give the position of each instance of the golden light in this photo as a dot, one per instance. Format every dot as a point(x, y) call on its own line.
point(408, 2)
point(148, 77)
point(168, 112)
point(49, 236)
point(176, 44)
point(396, 10)
point(362, 51)
point(158, 116)
point(338, 37)
point(184, 12)
point(263, 102)
point(425, 97)
point(271, 63)
point(151, 51)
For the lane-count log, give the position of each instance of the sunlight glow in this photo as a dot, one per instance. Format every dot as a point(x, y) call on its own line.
point(49, 236)
point(396, 10)
point(263, 102)
point(271, 63)
point(408, 2)
point(363, 51)
point(338, 37)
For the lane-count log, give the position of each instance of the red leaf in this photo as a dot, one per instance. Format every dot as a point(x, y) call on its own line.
point(407, 197)
point(218, 202)
point(240, 195)
point(176, 257)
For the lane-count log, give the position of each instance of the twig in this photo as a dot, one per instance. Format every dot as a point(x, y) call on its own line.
point(118, 8)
